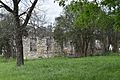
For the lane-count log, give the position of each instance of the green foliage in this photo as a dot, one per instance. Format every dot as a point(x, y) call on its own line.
point(111, 3)
point(59, 32)
point(105, 22)
point(81, 17)
point(61, 2)
point(90, 68)
point(117, 22)
point(87, 14)
point(113, 10)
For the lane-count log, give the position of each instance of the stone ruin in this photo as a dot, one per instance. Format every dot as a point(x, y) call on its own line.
point(40, 44)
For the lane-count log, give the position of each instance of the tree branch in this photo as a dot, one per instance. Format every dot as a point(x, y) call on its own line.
point(6, 7)
point(25, 12)
point(29, 13)
point(19, 1)
point(1, 6)
point(22, 14)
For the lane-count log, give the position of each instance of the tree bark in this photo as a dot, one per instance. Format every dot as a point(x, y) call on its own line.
point(86, 48)
point(18, 36)
point(115, 42)
point(92, 43)
point(78, 47)
point(105, 44)
point(62, 48)
point(13, 47)
point(19, 46)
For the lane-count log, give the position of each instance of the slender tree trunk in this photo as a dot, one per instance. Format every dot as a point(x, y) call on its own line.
point(86, 48)
point(62, 48)
point(106, 45)
point(13, 48)
point(77, 51)
point(115, 42)
point(115, 47)
point(84, 43)
point(8, 51)
point(78, 48)
point(92, 46)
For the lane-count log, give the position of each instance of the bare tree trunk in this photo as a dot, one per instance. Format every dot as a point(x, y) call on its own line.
point(115, 42)
point(92, 46)
point(86, 48)
point(115, 46)
point(19, 46)
point(61, 51)
point(19, 28)
point(106, 45)
point(78, 48)
point(85, 42)
point(13, 47)
point(18, 37)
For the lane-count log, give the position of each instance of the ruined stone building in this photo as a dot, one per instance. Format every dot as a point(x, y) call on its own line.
point(36, 43)
point(39, 43)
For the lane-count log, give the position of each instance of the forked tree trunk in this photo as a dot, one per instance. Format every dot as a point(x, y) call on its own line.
point(19, 28)
point(19, 31)
point(18, 36)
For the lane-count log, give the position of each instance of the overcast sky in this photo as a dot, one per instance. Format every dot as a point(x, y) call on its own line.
point(52, 9)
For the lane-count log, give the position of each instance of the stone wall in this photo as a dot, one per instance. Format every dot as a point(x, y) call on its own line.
point(45, 47)
point(42, 51)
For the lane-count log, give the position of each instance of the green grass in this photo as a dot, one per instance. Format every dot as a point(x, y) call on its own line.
point(89, 68)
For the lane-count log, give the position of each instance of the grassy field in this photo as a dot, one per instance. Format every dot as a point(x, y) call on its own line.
point(89, 68)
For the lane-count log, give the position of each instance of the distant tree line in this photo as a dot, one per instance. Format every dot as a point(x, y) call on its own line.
point(84, 21)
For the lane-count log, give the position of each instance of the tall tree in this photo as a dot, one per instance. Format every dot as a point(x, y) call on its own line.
point(87, 17)
point(19, 27)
